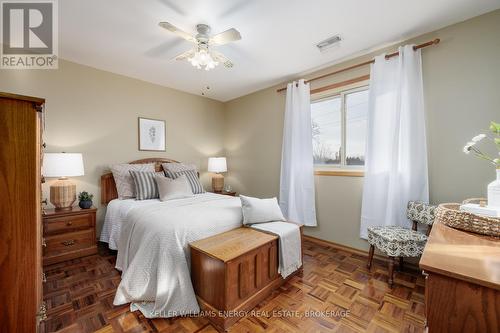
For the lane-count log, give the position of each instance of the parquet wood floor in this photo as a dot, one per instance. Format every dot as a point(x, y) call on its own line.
point(79, 296)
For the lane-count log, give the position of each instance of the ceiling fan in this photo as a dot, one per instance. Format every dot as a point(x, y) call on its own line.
point(203, 55)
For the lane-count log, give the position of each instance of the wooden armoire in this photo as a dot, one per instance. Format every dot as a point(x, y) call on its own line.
point(21, 275)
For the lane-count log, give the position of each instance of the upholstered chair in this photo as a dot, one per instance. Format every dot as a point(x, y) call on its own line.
point(400, 242)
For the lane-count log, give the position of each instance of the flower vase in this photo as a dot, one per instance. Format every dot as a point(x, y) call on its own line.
point(494, 192)
point(85, 204)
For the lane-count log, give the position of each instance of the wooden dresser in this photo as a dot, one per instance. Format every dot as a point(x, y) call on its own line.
point(21, 307)
point(230, 193)
point(234, 271)
point(68, 234)
point(462, 289)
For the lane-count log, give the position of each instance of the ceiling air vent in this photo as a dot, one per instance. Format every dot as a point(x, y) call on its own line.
point(328, 43)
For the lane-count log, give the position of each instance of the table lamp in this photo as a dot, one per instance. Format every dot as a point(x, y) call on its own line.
point(62, 166)
point(217, 165)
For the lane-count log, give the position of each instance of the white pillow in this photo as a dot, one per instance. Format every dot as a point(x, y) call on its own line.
point(257, 210)
point(170, 189)
point(125, 186)
point(178, 167)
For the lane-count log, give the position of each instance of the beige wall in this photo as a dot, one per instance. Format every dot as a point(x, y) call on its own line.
point(95, 112)
point(462, 94)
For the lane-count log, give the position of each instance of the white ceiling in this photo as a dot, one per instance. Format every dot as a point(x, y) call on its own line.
point(278, 36)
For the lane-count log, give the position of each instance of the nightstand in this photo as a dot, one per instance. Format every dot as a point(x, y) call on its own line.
point(233, 194)
point(68, 234)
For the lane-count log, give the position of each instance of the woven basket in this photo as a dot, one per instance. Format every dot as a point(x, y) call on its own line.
point(450, 215)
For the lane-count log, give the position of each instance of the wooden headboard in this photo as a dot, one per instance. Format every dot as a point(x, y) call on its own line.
point(108, 185)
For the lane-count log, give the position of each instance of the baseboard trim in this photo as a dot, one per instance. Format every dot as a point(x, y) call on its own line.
point(353, 250)
point(336, 245)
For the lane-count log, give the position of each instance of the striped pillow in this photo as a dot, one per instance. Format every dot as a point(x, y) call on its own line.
point(192, 177)
point(145, 185)
point(124, 182)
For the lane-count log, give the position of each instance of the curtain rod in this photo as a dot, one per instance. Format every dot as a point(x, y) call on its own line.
point(390, 55)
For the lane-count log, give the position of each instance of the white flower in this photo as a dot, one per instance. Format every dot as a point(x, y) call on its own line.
point(468, 147)
point(478, 138)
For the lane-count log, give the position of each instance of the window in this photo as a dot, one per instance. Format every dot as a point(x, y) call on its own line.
point(339, 129)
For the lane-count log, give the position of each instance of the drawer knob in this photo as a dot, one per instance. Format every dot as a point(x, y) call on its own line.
point(44, 243)
point(69, 242)
point(69, 223)
point(44, 277)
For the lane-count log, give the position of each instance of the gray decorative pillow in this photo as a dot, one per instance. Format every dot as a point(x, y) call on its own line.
point(124, 183)
point(192, 177)
point(145, 184)
point(257, 210)
point(170, 189)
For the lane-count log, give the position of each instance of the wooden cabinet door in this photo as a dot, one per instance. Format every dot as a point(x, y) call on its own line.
point(20, 233)
point(39, 277)
point(459, 306)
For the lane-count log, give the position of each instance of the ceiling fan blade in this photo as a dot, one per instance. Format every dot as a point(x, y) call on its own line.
point(184, 55)
point(172, 28)
point(225, 37)
point(222, 59)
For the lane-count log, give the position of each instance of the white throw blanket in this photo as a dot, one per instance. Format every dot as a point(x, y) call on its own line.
point(290, 251)
point(153, 251)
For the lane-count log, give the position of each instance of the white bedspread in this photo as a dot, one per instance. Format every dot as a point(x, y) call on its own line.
point(116, 212)
point(290, 247)
point(153, 251)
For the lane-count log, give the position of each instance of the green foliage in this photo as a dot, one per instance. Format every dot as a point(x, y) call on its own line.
point(495, 128)
point(472, 146)
point(85, 196)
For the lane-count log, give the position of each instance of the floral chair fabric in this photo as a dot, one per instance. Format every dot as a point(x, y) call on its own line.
point(397, 241)
point(402, 242)
point(421, 212)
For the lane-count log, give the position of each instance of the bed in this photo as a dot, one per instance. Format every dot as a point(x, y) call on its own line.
point(116, 212)
point(152, 240)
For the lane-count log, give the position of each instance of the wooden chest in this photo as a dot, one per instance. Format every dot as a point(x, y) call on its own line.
point(68, 234)
point(233, 272)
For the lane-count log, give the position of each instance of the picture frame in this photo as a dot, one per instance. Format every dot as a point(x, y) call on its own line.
point(152, 134)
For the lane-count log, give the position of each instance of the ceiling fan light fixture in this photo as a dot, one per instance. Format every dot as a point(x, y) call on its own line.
point(203, 59)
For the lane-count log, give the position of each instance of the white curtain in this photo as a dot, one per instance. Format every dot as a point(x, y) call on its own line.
point(396, 151)
point(297, 170)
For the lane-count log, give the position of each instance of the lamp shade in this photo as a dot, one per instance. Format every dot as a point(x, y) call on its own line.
point(217, 164)
point(62, 165)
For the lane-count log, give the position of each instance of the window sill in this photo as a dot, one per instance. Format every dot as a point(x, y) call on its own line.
point(341, 173)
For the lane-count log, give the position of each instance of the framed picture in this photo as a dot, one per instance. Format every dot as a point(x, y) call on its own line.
point(152, 134)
